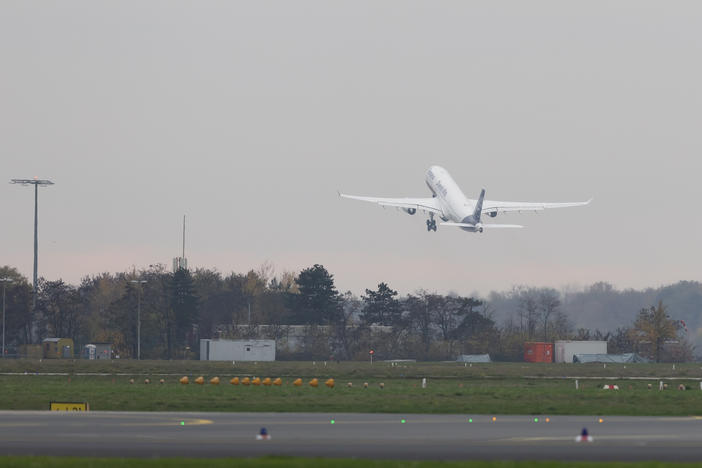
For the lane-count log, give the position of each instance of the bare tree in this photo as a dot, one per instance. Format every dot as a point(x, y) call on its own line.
point(549, 302)
point(528, 300)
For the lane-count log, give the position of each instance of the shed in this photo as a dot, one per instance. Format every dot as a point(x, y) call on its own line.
point(237, 350)
point(566, 349)
point(473, 358)
point(57, 348)
point(97, 351)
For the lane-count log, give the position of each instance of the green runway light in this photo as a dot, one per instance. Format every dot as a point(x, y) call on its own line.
point(470, 420)
point(403, 421)
point(182, 423)
point(332, 421)
point(536, 419)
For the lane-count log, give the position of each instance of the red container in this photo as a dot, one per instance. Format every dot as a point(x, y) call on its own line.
point(538, 352)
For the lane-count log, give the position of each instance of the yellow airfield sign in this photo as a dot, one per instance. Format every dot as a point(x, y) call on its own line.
point(68, 406)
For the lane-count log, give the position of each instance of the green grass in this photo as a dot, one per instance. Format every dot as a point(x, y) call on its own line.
point(281, 462)
point(467, 396)
point(495, 388)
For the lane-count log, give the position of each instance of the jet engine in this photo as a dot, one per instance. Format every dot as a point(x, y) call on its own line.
point(409, 211)
point(492, 214)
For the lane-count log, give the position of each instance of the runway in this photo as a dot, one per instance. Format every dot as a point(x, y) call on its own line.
point(377, 436)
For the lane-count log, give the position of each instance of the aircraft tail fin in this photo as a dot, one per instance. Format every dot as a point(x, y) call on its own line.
point(479, 207)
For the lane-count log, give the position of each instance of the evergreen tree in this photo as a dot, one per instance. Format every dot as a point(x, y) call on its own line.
point(381, 307)
point(318, 299)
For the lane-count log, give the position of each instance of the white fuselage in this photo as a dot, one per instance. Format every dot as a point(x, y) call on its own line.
point(454, 204)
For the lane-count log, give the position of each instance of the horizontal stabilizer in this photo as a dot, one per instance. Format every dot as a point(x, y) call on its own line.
point(502, 226)
point(484, 226)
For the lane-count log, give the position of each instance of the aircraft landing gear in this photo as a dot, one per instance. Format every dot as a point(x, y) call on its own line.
point(431, 223)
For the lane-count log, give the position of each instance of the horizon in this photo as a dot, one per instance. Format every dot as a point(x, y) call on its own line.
point(276, 273)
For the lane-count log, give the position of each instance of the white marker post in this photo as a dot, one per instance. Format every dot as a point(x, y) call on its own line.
point(371, 352)
point(424, 382)
point(576, 384)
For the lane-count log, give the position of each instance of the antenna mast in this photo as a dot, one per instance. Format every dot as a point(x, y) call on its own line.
point(181, 263)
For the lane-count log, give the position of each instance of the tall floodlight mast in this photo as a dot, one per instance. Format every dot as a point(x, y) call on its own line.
point(36, 183)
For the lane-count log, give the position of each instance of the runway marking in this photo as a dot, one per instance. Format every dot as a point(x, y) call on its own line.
point(174, 422)
point(10, 424)
point(338, 421)
point(326, 422)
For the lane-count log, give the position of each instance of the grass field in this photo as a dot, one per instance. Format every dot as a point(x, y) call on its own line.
point(497, 388)
point(281, 462)
point(349, 370)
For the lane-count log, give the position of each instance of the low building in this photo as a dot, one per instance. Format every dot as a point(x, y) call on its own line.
point(566, 349)
point(237, 350)
point(57, 348)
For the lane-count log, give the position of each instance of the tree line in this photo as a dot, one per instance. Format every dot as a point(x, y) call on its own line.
point(177, 309)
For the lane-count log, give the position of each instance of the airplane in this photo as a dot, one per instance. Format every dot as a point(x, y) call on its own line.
point(456, 210)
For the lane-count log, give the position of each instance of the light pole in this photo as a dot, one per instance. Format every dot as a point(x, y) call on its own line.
point(36, 183)
point(4, 282)
point(138, 283)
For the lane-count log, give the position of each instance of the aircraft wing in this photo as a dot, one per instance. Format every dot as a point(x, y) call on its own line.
point(505, 206)
point(430, 205)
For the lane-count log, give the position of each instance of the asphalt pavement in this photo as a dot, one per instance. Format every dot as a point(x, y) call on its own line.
point(376, 436)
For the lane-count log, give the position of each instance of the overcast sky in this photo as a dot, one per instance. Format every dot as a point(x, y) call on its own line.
point(248, 116)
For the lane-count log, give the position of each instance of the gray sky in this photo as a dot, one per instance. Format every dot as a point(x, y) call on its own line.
point(248, 116)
